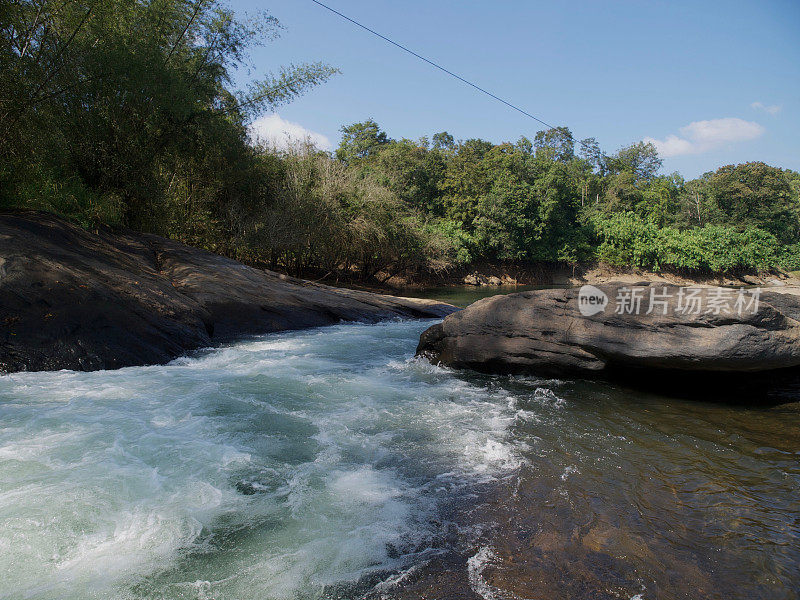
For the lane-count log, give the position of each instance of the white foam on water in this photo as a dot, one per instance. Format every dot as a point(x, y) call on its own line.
point(476, 565)
point(546, 396)
point(569, 470)
point(272, 468)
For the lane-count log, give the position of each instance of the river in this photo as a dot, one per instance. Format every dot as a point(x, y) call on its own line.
point(329, 463)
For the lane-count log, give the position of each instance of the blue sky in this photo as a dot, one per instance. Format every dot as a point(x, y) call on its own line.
point(713, 82)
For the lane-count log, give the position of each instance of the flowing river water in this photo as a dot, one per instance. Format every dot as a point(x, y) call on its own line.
point(329, 463)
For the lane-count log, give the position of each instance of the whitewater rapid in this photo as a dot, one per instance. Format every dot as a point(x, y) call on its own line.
point(278, 467)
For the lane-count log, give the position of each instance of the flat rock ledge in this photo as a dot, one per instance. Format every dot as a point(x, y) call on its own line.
point(71, 299)
point(545, 332)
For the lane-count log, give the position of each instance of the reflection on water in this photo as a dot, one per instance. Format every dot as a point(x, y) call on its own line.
point(327, 463)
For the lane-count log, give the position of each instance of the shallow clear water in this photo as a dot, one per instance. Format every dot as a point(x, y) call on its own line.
point(328, 463)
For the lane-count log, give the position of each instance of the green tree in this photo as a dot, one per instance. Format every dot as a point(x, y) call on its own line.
point(756, 195)
point(361, 141)
point(464, 180)
point(641, 160)
point(592, 154)
point(412, 172)
point(556, 143)
point(443, 141)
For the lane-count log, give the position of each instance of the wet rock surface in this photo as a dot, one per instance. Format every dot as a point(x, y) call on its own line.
point(72, 299)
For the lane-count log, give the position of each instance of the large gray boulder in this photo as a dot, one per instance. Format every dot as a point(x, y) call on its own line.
point(691, 330)
point(71, 299)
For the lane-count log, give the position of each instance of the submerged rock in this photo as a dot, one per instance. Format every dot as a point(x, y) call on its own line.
point(71, 299)
point(621, 327)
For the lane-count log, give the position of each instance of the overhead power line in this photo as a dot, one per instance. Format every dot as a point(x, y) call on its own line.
point(436, 65)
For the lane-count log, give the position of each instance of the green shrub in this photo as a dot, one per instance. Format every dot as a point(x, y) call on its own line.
point(628, 240)
point(66, 196)
point(789, 258)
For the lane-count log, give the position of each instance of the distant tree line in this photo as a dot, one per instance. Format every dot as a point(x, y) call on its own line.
point(555, 199)
point(123, 112)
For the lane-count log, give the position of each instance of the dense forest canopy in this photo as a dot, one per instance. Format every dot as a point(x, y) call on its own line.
point(123, 112)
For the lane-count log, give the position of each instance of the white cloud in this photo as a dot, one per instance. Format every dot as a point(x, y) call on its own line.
point(702, 136)
point(721, 131)
point(772, 109)
point(672, 146)
point(273, 130)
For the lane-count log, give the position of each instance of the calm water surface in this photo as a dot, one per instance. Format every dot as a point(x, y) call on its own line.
point(464, 295)
point(329, 464)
